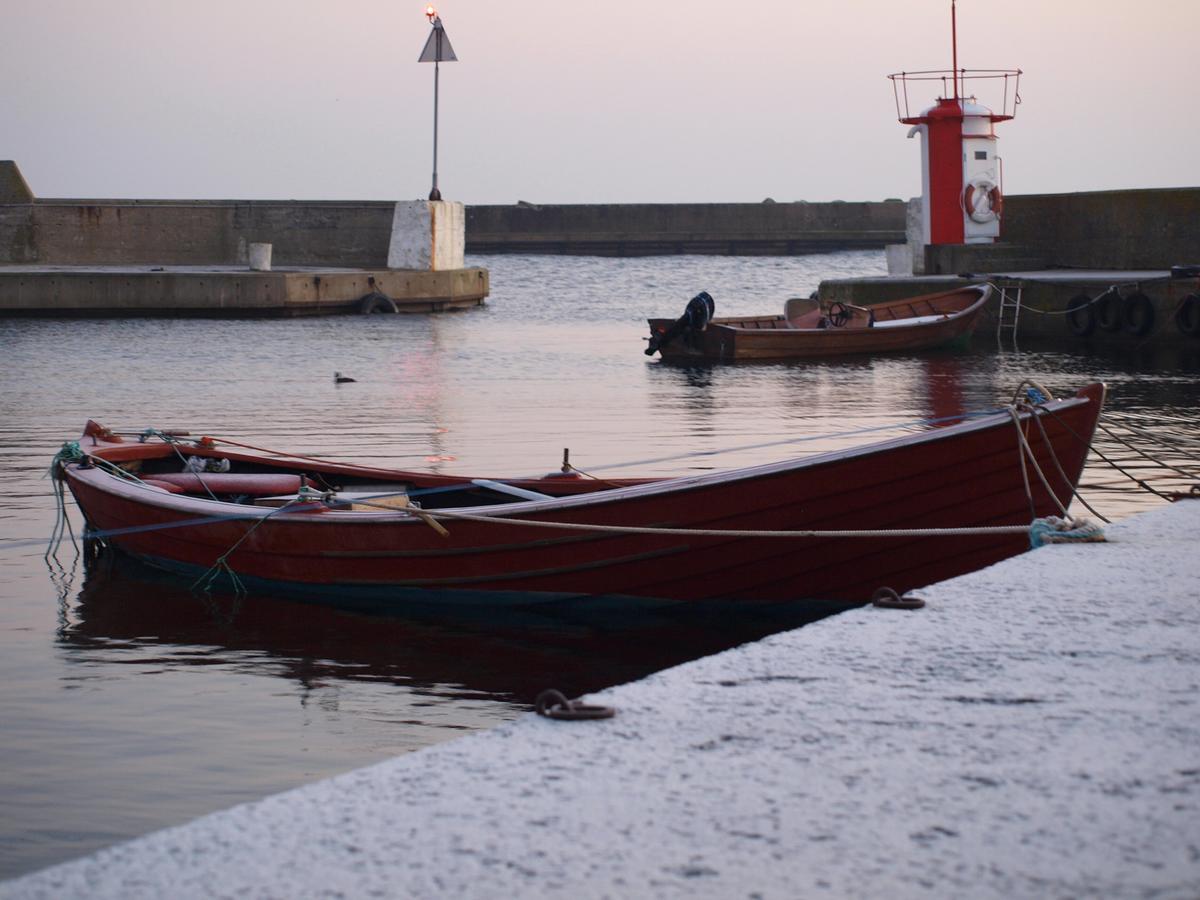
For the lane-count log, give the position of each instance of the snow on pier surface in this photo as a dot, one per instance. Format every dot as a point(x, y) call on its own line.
point(1033, 732)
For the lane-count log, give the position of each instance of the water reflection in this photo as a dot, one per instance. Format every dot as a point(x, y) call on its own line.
point(130, 704)
point(508, 655)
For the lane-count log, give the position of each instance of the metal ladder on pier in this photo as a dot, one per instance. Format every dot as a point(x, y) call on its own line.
point(1009, 314)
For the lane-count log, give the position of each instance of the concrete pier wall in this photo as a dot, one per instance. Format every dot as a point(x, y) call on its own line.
point(1143, 229)
point(1135, 229)
point(643, 229)
point(1130, 229)
point(194, 232)
point(229, 292)
point(306, 233)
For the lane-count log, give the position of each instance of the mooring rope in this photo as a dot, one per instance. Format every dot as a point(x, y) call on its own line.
point(1143, 453)
point(1094, 449)
point(70, 451)
point(222, 561)
point(1063, 475)
point(731, 532)
point(1026, 450)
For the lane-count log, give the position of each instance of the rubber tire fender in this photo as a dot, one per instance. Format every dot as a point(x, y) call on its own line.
point(376, 302)
point(1081, 316)
point(1108, 311)
point(1138, 314)
point(1187, 317)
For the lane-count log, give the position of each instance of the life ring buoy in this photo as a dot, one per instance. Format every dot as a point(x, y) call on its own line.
point(1138, 314)
point(1081, 318)
point(983, 201)
point(1108, 310)
point(376, 302)
point(1187, 317)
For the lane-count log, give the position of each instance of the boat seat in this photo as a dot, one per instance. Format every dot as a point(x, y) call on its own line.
point(251, 484)
point(511, 490)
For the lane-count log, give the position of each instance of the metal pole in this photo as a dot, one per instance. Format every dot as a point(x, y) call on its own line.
point(435, 194)
point(954, 44)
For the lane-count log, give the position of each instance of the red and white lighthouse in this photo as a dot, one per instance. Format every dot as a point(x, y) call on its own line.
point(962, 188)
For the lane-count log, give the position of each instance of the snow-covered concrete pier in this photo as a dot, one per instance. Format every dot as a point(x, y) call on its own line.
point(1034, 731)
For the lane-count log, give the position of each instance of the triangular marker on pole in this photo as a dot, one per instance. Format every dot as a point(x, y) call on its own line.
point(437, 47)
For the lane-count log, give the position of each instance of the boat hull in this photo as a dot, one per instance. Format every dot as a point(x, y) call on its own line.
point(960, 476)
point(780, 338)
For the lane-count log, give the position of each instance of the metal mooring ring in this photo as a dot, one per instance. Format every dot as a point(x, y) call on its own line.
point(886, 598)
point(1192, 494)
point(554, 705)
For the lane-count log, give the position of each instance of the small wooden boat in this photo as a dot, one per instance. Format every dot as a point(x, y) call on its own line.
point(768, 533)
point(810, 328)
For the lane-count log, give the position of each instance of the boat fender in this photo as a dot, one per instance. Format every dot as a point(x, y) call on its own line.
point(375, 302)
point(1108, 310)
point(1138, 314)
point(983, 201)
point(163, 486)
point(886, 598)
point(1081, 316)
point(554, 705)
point(1187, 317)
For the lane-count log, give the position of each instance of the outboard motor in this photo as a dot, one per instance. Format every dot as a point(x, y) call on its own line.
point(696, 316)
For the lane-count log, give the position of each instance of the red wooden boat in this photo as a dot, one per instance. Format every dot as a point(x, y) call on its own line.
point(337, 530)
point(811, 328)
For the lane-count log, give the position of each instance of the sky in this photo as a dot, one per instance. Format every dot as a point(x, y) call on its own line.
point(578, 101)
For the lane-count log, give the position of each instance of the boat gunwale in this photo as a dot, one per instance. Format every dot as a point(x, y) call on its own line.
point(147, 495)
point(900, 327)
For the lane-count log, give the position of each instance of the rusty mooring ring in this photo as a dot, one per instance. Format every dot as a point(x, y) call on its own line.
point(554, 705)
point(886, 598)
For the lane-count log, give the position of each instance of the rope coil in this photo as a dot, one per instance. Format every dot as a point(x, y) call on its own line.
point(1055, 530)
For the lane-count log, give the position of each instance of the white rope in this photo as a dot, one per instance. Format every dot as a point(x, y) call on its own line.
point(1025, 450)
point(730, 533)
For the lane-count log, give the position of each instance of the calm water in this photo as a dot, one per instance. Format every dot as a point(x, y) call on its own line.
point(129, 704)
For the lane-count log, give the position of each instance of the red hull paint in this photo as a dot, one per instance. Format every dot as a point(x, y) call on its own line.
point(964, 475)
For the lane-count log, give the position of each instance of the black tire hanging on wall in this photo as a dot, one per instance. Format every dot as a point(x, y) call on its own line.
point(1081, 317)
point(1187, 317)
point(1138, 314)
point(376, 302)
point(1108, 308)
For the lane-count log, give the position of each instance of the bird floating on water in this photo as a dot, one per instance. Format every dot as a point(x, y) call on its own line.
point(339, 378)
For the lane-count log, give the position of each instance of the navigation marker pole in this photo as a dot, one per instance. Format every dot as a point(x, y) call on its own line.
point(437, 50)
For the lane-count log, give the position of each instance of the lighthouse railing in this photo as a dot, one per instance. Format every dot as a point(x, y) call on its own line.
point(993, 84)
